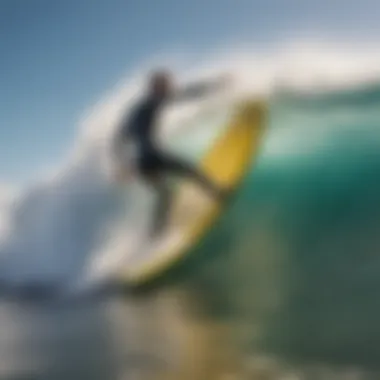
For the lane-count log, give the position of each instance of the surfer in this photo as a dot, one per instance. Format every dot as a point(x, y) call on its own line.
point(152, 163)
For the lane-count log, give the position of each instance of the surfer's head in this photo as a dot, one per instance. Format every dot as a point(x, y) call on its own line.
point(161, 83)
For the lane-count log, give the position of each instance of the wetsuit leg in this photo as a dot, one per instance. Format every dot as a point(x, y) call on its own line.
point(180, 167)
point(154, 166)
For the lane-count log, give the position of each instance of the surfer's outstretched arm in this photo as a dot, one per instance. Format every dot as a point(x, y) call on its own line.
point(199, 89)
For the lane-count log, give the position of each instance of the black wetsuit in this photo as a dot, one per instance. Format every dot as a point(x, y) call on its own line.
point(140, 127)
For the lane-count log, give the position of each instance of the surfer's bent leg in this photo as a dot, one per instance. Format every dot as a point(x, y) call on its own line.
point(181, 167)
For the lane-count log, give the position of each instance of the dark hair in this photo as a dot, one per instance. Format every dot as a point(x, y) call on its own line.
point(158, 76)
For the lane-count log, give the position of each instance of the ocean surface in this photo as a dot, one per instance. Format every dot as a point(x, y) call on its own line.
point(290, 293)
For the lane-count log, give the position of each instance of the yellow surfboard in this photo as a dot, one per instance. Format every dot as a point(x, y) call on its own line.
point(193, 212)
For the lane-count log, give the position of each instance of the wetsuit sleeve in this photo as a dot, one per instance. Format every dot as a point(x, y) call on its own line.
point(197, 90)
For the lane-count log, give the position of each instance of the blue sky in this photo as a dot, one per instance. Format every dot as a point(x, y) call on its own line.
point(59, 57)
